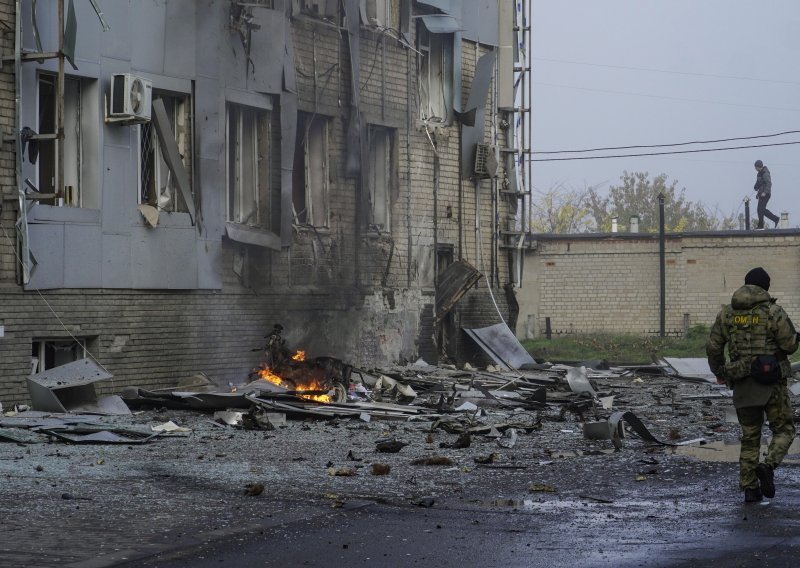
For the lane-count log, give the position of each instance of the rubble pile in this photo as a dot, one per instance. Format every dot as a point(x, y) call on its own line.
point(430, 429)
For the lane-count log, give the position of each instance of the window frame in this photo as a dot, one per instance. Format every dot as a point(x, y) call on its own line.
point(81, 140)
point(389, 174)
point(180, 113)
point(313, 167)
point(261, 131)
point(435, 51)
point(78, 347)
point(379, 13)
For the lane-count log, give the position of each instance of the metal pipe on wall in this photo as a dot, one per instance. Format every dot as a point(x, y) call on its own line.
point(409, 252)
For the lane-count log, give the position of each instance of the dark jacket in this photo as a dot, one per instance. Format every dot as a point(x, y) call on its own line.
point(763, 184)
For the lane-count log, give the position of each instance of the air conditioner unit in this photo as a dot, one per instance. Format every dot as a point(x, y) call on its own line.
point(131, 99)
point(485, 161)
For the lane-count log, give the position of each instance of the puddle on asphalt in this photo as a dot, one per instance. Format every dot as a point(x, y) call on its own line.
point(729, 452)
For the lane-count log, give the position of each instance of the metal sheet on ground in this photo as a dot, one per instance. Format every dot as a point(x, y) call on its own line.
point(501, 345)
point(691, 368)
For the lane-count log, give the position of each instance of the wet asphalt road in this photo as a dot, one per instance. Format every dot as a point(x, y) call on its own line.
point(700, 523)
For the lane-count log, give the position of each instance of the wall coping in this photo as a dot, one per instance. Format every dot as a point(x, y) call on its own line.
point(554, 237)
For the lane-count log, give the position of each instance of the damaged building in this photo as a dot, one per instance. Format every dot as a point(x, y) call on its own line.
point(178, 176)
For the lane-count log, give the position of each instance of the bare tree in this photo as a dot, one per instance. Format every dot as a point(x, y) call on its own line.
point(560, 209)
point(638, 195)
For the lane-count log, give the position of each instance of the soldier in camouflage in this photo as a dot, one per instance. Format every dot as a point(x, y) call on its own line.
point(759, 336)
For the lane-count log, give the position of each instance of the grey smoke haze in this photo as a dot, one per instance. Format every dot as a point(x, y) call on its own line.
point(627, 72)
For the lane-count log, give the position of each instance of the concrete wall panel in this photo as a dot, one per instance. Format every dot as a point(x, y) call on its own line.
point(180, 38)
point(118, 41)
point(47, 247)
point(84, 270)
point(117, 269)
point(148, 36)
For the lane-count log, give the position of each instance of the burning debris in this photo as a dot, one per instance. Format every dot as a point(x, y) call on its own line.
point(321, 379)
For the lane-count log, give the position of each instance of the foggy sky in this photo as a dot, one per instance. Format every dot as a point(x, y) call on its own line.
point(668, 71)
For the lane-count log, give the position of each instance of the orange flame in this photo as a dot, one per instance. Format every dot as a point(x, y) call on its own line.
point(314, 385)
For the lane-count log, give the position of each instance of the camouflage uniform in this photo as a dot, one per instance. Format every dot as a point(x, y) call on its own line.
point(751, 325)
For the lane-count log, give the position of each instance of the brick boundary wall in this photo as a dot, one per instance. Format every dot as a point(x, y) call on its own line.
point(611, 282)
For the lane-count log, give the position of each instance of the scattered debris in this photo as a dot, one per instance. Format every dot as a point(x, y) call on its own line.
point(381, 469)
point(463, 441)
point(70, 388)
point(491, 458)
point(390, 390)
point(541, 488)
point(434, 460)
point(169, 427)
point(426, 502)
point(254, 489)
point(694, 369)
point(579, 382)
point(509, 438)
point(500, 343)
point(229, 417)
point(390, 446)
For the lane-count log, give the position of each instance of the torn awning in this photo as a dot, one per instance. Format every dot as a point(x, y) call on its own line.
point(441, 24)
point(70, 387)
point(252, 236)
point(499, 343)
point(453, 283)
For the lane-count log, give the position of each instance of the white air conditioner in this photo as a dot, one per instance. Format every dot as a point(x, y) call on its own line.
point(131, 99)
point(485, 161)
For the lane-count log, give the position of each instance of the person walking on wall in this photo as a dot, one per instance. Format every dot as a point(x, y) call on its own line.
point(763, 189)
point(760, 337)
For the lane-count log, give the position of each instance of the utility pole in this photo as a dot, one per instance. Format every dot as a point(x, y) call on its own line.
point(663, 266)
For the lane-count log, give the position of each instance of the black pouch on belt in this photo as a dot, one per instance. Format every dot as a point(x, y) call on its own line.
point(766, 369)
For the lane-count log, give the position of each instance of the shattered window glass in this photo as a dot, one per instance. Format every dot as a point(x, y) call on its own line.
point(380, 176)
point(157, 186)
point(248, 163)
point(310, 183)
point(435, 80)
point(320, 8)
point(379, 13)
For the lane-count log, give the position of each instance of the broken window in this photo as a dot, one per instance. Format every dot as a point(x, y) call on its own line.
point(381, 176)
point(157, 184)
point(49, 353)
point(248, 166)
point(310, 182)
point(81, 137)
point(435, 64)
point(379, 13)
point(318, 8)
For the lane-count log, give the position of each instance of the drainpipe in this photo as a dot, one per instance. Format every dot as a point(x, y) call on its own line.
point(460, 193)
point(23, 245)
point(662, 265)
point(435, 219)
point(409, 251)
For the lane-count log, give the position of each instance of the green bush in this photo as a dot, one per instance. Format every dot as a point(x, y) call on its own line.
point(618, 348)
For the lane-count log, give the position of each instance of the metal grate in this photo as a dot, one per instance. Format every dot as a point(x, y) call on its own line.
point(481, 155)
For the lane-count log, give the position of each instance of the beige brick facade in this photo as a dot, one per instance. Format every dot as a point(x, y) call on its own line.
point(365, 298)
point(603, 283)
